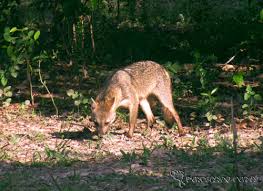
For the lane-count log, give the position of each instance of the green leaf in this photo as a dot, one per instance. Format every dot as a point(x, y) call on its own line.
point(257, 97)
point(25, 29)
point(75, 95)
point(261, 15)
point(14, 74)
point(3, 81)
point(14, 29)
point(94, 4)
point(214, 117)
point(70, 92)
point(239, 79)
point(244, 106)
point(7, 102)
point(197, 56)
point(204, 94)
point(77, 102)
point(174, 68)
point(245, 112)
point(8, 94)
point(8, 88)
point(80, 95)
point(31, 41)
point(85, 101)
point(246, 96)
point(30, 33)
point(248, 89)
point(36, 35)
point(7, 37)
point(43, 55)
point(16, 67)
point(209, 116)
point(214, 91)
point(9, 51)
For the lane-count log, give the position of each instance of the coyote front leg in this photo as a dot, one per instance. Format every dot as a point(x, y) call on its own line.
point(133, 110)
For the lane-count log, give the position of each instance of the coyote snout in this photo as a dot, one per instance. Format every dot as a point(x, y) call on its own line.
point(130, 88)
point(103, 115)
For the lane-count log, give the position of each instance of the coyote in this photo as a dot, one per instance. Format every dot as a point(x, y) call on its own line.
point(133, 86)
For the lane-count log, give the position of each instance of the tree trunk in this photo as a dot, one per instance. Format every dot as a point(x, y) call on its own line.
point(90, 18)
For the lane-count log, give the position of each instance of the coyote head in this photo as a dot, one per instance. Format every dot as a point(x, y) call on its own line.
point(103, 113)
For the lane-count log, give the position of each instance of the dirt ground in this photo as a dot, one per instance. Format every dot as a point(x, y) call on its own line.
point(59, 153)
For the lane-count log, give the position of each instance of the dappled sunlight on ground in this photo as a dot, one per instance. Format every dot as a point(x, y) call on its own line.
point(59, 150)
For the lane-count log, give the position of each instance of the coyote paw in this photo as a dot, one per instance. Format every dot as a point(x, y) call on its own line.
point(150, 122)
point(183, 131)
point(129, 134)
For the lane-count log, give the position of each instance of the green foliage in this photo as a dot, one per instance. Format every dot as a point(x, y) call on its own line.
point(20, 47)
point(5, 96)
point(70, 7)
point(203, 69)
point(128, 157)
point(123, 115)
point(205, 150)
point(173, 68)
point(261, 15)
point(225, 145)
point(210, 116)
point(238, 79)
point(78, 98)
point(36, 35)
point(206, 76)
point(145, 155)
point(3, 78)
point(181, 87)
point(5, 183)
point(250, 98)
point(177, 28)
point(208, 104)
point(57, 156)
point(167, 142)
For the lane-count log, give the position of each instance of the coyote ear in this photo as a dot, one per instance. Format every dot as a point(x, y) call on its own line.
point(110, 102)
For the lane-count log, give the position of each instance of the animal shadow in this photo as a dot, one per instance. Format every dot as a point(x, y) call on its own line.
point(85, 134)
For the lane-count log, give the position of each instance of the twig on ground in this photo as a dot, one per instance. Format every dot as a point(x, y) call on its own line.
point(233, 57)
point(44, 84)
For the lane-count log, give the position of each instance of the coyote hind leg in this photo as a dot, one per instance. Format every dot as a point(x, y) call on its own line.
point(147, 111)
point(165, 97)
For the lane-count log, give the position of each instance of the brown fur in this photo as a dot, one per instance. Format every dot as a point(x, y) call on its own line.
point(168, 116)
point(131, 87)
